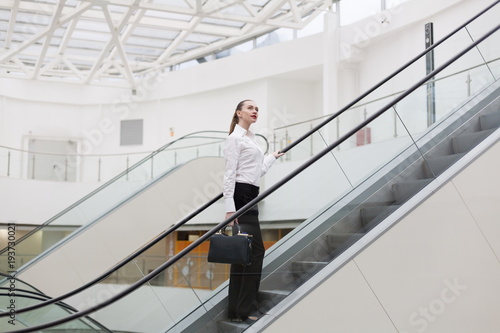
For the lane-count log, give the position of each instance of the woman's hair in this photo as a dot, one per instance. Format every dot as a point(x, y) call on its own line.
point(235, 119)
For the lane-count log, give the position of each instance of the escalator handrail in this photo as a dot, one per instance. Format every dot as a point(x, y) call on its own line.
point(378, 85)
point(259, 198)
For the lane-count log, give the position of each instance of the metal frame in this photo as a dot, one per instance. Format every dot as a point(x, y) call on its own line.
point(118, 41)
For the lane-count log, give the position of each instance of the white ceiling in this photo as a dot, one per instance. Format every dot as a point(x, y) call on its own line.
point(119, 41)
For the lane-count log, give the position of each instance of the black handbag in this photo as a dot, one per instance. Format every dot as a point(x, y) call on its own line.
point(227, 249)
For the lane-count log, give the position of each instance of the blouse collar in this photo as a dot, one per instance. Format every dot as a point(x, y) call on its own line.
point(240, 131)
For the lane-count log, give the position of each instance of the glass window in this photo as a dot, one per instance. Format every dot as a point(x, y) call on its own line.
point(355, 10)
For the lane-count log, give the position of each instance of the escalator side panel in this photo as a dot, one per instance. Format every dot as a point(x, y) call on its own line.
point(126, 228)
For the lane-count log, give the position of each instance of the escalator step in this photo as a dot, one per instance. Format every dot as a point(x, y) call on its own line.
point(434, 166)
point(464, 142)
point(405, 190)
point(269, 298)
point(490, 121)
point(338, 240)
point(305, 269)
point(370, 215)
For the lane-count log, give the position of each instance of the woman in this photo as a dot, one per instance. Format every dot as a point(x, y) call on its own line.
point(245, 164)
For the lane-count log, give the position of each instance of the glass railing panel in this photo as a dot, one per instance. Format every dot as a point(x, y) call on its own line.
point(169, 296)
point(360, 162)
point(485, 23)
point(283, 137)
point(491, 55)
point(448, 93)
point(317, 186)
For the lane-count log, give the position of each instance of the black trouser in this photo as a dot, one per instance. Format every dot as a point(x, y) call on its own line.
point(245, 280)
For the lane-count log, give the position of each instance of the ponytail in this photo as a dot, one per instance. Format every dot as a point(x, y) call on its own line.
point(234, 121)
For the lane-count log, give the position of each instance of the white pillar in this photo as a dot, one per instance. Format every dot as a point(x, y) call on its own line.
point(330, 63)
point(330, 71)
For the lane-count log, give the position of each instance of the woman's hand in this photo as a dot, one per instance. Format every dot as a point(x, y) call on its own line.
point(228, 215)
point(277, 154)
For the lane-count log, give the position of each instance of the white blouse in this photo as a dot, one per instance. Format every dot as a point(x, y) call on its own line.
point(245, 163)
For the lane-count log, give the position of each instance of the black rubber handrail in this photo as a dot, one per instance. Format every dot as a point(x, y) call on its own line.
point(259, 198)
point(378, 85)
point(161, 236)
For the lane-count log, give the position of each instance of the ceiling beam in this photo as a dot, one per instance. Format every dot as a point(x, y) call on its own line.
point(12, 21)
point(137, 16)
point(181, 37)
point(114, 41)
point(44, 33)
point(48, 37)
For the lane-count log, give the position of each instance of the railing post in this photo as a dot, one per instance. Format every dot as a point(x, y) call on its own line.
point(395, 122)
point(152, 165)
point(127, 169)
point(312, 140)
point(66, 169)
point(468, 84)
point(33, 166)
point(337, 123)
point(8, 163)
point(99, 169)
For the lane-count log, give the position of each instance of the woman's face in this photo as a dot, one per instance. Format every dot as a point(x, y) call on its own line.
point(248, 113)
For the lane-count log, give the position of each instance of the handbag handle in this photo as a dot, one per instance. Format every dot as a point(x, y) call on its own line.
point(223, 230)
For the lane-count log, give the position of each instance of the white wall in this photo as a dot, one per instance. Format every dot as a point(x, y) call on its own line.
point(437, 270)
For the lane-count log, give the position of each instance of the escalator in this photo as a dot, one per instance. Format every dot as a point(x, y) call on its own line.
point(194, 159)
point(364, 201)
